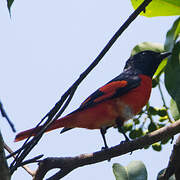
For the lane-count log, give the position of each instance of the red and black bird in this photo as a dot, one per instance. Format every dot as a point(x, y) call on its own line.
point(114, 103)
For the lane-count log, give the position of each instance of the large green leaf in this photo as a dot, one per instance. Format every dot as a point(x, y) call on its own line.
point(172, 35)
point(120, 172)
point(147, 46)
point(174, 110)
point(135, 170)
point(159, 7)
point(153, 47)
point(172, 74)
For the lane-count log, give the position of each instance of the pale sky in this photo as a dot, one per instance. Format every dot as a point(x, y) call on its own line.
point(45, 46)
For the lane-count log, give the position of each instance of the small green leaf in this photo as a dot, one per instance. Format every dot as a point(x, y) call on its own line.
point(152, 127)
point(162, 112)
point(172, 35)
point(165, 141)
point(133, 134)
point(128, 126)
point(139, 132)
point(153, 111)
point(160, 68)
point(137, 171)
point(120, 172)
point(157, 146)
point(136, 133)
point(163, 118)
point(9, 4)
point(174, 110)
point(160, 125)
point(136, 121)
point(159, 7)
point(146, 147)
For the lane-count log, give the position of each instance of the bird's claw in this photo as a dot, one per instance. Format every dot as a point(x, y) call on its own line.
point(105, 148)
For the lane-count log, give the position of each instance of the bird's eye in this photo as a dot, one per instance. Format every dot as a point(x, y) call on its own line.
point(143, 53)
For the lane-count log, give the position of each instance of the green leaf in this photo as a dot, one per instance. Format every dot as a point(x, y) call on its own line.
point(152, 127)
point(133, 134)
point(165, 141)
point(157, 146)
point(136, 121)
point(9, 4)
point(153, 111)
point(172, 75)
point(120, 172)
point(162, 112)
point(160, 68)
point(174, 110)
point(146, 147)
point(159, 7)
point(139, 132)
point(172, 35)
point(136, 171)
point(163, 118)
point(147, 46)
point(128, 126)
point(160, 125)
point(162, 172)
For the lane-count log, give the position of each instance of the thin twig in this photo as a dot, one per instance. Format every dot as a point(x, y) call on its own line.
point(27, 169)
point(4, 114)
point(33, 160)
point(174, 163)
point(164, 103)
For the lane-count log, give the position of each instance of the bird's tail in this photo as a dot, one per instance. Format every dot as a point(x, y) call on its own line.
point(62, 122)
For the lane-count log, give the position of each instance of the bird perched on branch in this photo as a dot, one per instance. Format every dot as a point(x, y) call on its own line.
point(114, 103)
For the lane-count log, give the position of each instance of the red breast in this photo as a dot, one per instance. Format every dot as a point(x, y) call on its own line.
point(136, 98)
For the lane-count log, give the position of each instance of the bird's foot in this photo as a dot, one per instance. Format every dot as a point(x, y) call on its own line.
point(106, 148)
point(125, 141)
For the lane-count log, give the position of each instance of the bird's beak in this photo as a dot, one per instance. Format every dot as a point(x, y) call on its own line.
point(164, 55)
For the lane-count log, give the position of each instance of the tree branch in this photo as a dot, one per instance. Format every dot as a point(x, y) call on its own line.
point(4, 170)
point(4, 114)
point(67, 96)
point(27, 169)
point(68, 164)
point(174, 163)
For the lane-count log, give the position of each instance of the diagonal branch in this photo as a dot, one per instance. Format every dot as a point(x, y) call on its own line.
point(52, 115)
point(174, 163)
point(27, 169)
point(4, 114)
point(68, 164)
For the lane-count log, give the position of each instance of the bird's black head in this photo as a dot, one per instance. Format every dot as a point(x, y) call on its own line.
point(146, 62)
